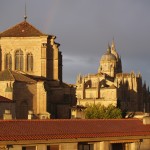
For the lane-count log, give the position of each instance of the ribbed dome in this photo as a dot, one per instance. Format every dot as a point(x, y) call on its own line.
point(108, 57)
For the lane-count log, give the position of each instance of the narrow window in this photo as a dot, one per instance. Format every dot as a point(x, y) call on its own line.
point(53, 147)
point(29, 62)
point(85, 146)
point(29, 148)
point(19, 60)
point(8, 61)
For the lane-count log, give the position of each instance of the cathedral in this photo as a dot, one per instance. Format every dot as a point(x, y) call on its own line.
point(110, 85)
point(31, 75)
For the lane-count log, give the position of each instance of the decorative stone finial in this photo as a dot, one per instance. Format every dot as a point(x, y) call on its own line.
point(109, 49)
point(113, 45)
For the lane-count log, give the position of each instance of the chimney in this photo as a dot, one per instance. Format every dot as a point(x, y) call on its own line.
point(30, 114)
point(45, 115)
point(146, 119)
point(7, 115)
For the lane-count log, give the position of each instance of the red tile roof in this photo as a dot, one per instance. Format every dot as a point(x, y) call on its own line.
point(69, 129)
point(23, 29)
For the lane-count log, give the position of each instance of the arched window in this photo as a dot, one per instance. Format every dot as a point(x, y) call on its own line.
point(19, 60)
point(8, 61)
point(29, 62)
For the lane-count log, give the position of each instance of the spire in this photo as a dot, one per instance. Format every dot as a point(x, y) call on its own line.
point(109, 48)
point(113, 45)
point(148, 89)
point(113, 40)
point(113, 49)
point(25, 15)
point(79, 79)
point(144, 85)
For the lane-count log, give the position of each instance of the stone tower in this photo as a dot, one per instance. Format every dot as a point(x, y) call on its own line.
point(25, 48)
point(31, 73)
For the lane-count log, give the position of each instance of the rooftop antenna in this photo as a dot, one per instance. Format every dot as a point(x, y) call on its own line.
point(25, 15)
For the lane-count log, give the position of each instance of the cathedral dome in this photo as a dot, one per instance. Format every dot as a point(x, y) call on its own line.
point(108, 56)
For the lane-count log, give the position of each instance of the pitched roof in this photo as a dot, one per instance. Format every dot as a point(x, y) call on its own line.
point(112, 87)
point(70, 129)
point(23, 29)
point(9, 75)
point(6, 100)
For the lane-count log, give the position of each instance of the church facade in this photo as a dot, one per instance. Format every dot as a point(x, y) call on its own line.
point(31, 73)
point(112, 86)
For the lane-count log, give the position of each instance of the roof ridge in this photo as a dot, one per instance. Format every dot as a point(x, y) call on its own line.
point(66, 120)
point(11, 74)
point(11, 27)
point(22, 29)
point(22, 74)
point(5, 99)
point(33, 27)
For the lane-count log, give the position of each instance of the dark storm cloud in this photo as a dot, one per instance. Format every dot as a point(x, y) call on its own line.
point(84, 27)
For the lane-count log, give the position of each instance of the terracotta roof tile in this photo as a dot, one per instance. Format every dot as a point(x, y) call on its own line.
point(23, 29)
point(68, 129)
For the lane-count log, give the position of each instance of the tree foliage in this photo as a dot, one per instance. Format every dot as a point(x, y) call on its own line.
point(98, 111)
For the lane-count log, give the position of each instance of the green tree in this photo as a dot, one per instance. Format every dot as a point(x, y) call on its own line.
point(98, 111)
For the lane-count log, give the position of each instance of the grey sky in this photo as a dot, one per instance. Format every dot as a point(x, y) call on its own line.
point(84, 27)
